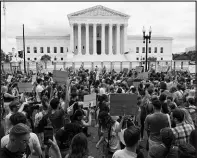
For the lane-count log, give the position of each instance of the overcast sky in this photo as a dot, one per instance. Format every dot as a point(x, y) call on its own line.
point(170, 19)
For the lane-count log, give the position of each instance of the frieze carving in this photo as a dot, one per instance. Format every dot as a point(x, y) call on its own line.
point(97, 12)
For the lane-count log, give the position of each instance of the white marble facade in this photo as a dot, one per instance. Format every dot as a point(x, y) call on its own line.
point(97, 34)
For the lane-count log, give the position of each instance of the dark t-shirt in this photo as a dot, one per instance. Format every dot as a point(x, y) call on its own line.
point(159, 151)
point(5, 153)
point(64, 136)
point(155, 122)
point(57, 119)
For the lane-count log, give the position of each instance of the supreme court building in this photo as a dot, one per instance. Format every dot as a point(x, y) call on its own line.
point(96, 34)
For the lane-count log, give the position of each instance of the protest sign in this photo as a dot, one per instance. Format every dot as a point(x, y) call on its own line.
point(125, 70)
point(123, 104)
point(24, 87)
point(9, 78)
point(143, 76)
point(139, 69)
point(90, 99)
point(60, 76)
point(136, 84)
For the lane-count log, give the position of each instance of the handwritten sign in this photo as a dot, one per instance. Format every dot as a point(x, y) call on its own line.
point(60, 76)
point(24, 87)
point(121, 104)
point(9, 78)
point(89, 99)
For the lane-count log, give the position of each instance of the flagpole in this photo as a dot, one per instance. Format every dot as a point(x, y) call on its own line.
point(5, 27)
point(24, 49)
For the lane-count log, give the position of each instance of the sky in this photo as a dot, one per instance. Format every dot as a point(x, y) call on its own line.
point(169, 19)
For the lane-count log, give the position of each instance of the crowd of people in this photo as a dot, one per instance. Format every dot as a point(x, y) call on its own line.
point(51, 120)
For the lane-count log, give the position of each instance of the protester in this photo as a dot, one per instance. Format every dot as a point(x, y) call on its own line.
point(154, 123)
point(79, 147)
point(166, 149)
point(18, 141)
point(131, 138)
point(34, 144)
point(182, 130)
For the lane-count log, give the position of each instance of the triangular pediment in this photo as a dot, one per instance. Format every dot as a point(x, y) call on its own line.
point(98, 11)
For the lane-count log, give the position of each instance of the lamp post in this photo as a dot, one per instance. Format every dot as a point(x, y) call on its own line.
point(146, 38)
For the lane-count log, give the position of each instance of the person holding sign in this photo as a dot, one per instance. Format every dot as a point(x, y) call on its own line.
point(78, 117)
point(110, 129)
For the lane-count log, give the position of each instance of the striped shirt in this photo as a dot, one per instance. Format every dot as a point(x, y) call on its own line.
point(182, 132)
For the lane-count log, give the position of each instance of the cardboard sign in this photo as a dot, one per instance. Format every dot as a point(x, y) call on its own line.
point(9, 78)
point(89, 99)
point(143, 76)
point(121, 104)
point(24, 87)
point(139, 69)
point(136, 84)
point(60, 76)
point(125, 70)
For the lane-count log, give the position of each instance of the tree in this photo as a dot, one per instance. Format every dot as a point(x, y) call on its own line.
point(152, 59)
point(45, 58)
point(7, 59)
point(3, 56)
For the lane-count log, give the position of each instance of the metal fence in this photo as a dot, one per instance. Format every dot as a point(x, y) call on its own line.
point(117, 66)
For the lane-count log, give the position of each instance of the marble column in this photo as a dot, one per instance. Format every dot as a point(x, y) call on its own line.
point(94, 39)
point(103, 39)
point(79, 39)
point(87, 39)
point(118, 39)
point(110, 39)
point(125, 38)
point(71, 39)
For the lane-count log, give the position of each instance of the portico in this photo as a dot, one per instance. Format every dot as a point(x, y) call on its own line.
point(98, 31)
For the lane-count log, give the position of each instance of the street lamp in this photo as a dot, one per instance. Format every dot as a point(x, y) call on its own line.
point(146, 38)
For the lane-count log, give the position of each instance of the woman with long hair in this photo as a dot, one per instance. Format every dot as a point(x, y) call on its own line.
point(79, 147)
point(109, 137)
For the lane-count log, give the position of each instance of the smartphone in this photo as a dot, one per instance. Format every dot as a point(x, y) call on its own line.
point(48, 134)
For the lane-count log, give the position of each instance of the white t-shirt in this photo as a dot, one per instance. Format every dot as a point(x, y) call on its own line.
point(39, 89)
point(124, 154)
point(33, 141)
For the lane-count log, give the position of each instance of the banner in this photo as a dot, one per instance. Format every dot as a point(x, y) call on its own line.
point(9, 78)
point(24, 87)
point(60, 76)
point(90, 99)
point(121, 104)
